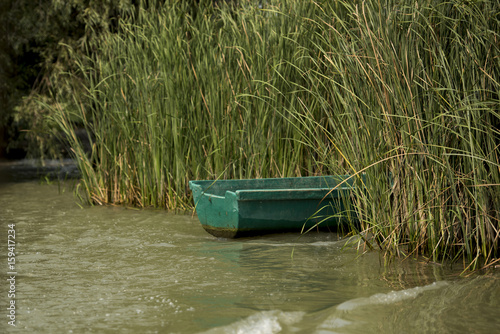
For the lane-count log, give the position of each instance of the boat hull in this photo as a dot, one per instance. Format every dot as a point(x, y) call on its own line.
point(236, 208)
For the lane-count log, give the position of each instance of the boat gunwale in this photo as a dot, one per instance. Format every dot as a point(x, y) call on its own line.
point(221, 187)
point(282, 194)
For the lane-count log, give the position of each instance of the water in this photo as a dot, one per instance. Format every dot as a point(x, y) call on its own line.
point(110, 269)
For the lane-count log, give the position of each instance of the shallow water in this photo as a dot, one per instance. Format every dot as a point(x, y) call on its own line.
point(108, 269)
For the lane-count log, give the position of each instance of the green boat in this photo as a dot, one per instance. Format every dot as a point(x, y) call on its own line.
point(236, 208)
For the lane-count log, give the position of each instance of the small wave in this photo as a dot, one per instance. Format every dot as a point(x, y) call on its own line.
point(388, 298)
point(265, 322)
point(336, 321)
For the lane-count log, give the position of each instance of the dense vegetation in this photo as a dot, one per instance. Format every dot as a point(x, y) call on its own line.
point(36, 37)
point(406, 92)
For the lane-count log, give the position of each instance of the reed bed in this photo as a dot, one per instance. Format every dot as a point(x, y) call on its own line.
point(178, 95)
point(404, 92)
point(408, 94)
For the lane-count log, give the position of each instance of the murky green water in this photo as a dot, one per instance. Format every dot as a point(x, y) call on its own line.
point(105, 269)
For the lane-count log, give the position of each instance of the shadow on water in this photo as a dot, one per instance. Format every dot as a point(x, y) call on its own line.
point(28, 170)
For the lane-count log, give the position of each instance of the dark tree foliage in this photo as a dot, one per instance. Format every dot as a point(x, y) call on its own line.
point(38, 40)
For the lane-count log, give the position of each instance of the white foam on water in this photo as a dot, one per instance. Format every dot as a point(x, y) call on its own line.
point(331, 324)
point(265, 322)
point(388, 298)
point(162, 244)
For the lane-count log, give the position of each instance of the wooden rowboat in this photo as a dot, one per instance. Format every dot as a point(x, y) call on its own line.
point(235, 208)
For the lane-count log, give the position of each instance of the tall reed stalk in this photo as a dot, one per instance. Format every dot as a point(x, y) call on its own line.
point(408, 93)
point(405, 92)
